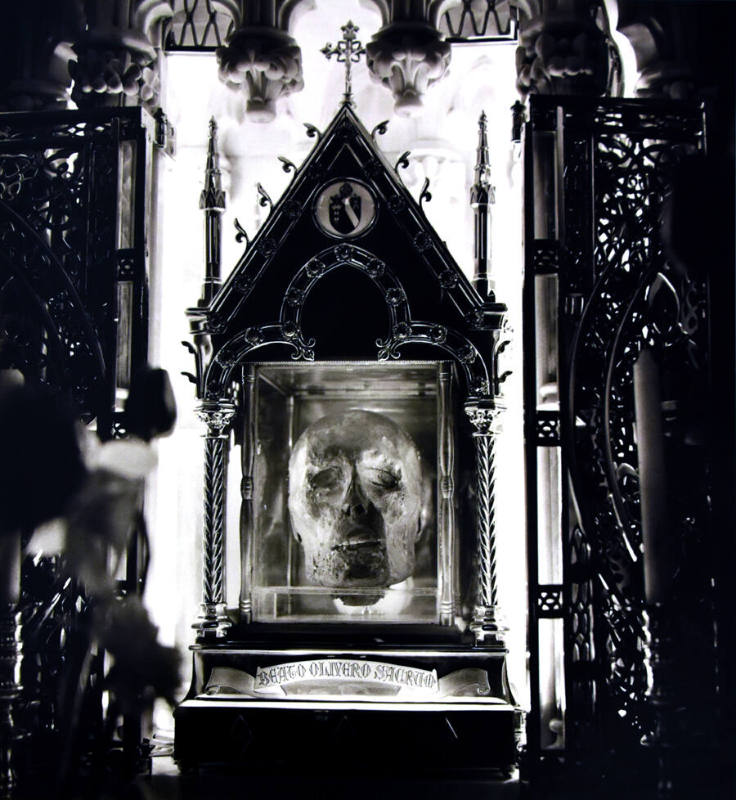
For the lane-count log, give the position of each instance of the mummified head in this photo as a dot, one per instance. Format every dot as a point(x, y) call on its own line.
point(355, 500)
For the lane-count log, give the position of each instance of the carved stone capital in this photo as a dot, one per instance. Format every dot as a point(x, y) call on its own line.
point(484, 415)
point(265, 64)
point(408, 57)
point(217, 416)
point(114, 67)
point(562, 52)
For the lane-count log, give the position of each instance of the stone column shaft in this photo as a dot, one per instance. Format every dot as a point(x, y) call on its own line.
point(217, 416)
point(485, 624)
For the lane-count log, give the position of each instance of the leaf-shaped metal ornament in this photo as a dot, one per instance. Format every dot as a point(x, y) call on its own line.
point(313, 132)
point(403, 161)
point(287, 165)
point(241, 233)
point(379, 130)
point(264, 199)
point(425, 194)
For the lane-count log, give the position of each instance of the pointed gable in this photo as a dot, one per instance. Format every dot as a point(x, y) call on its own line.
point(347, 266)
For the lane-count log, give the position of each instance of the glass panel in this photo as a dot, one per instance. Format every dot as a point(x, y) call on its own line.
point(545, 195)
point(551, 684)
point(549, 542)
point(126, 197)
point(345, 493)
point(124, 334)
point(546, 290)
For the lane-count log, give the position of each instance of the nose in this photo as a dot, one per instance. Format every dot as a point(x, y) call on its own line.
point(355, 503)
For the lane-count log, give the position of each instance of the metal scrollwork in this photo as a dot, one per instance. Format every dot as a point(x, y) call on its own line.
point(402, 162)
point(264, 199)
point(379, 130)
point(313, 132)
point(241, 233)
point(628, 298)
point(425, 195)
point(287, 165)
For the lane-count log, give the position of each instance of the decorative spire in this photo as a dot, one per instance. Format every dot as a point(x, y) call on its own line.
point(483, 162)
point(212, 202)
point(348, 50)
point(212, 197)
point(482, 196)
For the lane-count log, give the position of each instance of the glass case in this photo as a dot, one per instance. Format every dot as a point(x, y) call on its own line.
point(347, 474)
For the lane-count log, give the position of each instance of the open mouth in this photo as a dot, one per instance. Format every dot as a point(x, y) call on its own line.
point(357, 544)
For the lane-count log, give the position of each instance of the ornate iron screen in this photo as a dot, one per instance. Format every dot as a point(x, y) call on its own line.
point(74, 196)
point(73, 207)
point(596, 176)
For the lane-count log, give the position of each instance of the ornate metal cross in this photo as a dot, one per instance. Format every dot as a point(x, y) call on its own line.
point(348, 50)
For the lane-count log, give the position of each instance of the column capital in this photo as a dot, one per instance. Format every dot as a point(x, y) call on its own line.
point(484, 414)
point(408, 57)
point(562, 51)
point(217, 416)
point(263, 62)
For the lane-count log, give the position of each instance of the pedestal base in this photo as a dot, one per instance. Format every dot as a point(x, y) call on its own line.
point(472, 731)
point(344, 738)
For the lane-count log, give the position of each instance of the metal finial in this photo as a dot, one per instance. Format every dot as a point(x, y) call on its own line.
point(212, 202)
point(212, 196)
point(482, 196)
point(483, 161)
point(348, 50)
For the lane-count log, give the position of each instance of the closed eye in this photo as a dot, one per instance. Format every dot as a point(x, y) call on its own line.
point(328, 478)
point(384, 479)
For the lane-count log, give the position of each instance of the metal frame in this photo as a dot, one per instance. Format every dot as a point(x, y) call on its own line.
point(73, 306)
point(603, 154)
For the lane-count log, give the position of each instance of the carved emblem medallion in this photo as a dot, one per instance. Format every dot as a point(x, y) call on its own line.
point(345, 208)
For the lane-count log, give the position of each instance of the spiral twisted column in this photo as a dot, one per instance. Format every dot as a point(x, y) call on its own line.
point(217, 416)
point(483, 415)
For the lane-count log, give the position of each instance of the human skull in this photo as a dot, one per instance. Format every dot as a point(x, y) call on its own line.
point(355, 500)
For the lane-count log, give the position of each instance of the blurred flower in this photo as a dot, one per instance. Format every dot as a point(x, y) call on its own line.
point(130, 458)
point(100, 520)
point(143, 668)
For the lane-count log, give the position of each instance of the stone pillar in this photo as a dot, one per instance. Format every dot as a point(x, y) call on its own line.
point(217, 416)
point(483, 414)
